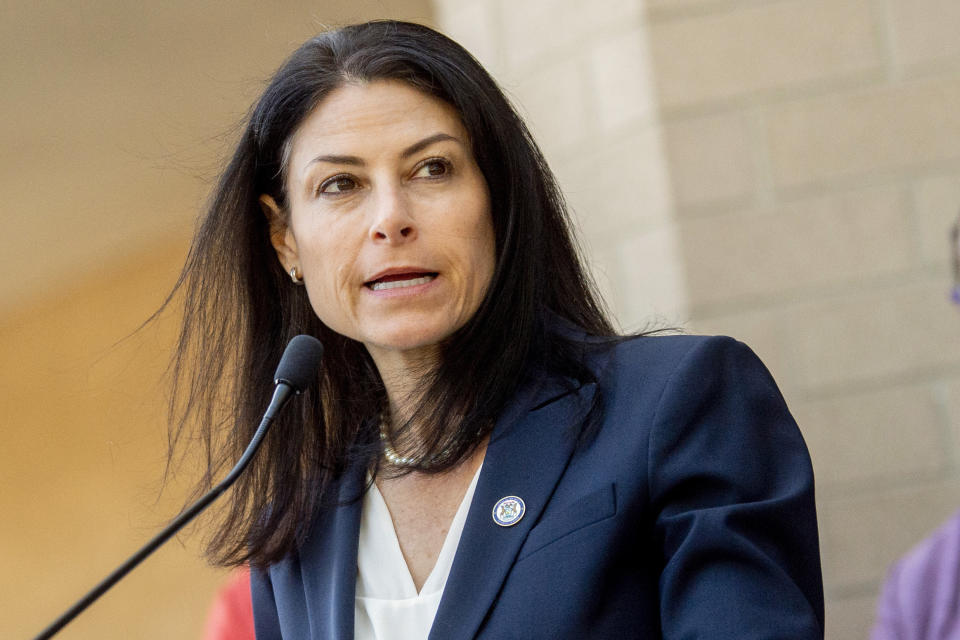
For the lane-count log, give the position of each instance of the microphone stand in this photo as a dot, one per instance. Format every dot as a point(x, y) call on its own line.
point(280, 395)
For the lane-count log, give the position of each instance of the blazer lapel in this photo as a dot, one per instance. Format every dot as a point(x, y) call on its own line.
point(328, 562)
point(528, 452)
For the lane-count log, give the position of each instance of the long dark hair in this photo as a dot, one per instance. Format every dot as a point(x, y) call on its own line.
point(240, 308)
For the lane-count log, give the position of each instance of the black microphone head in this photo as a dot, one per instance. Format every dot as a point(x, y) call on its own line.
point(300, 363)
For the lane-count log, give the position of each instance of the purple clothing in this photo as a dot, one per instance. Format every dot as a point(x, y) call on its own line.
point(921, 597)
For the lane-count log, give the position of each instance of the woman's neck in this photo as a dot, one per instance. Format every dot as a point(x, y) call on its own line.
point(404, 375)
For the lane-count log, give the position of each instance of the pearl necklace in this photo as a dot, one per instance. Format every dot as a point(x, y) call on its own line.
point(392, 456)
point(398, 460)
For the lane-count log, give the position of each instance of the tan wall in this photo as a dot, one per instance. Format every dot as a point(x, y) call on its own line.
point(84, 429)
point(814, 148)
point(810, 152)
point(580, 74)
point(113, 123)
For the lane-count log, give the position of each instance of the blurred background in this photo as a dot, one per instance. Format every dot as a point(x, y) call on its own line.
point(782, 171)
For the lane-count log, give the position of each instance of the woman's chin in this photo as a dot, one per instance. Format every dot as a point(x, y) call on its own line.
point(413, 346)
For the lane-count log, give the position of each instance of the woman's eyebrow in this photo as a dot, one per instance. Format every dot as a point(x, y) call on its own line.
point(416, 147)
point(337, 159)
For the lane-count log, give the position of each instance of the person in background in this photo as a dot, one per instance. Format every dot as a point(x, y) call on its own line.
point(230, 616)
point(920, 599)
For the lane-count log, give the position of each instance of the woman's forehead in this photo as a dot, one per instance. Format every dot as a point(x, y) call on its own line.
point(372, 118)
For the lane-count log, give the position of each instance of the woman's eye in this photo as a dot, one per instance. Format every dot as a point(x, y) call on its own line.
point(338, 184)
point(432, 169)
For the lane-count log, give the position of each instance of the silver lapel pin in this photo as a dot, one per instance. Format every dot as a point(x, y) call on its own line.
point(508, 511)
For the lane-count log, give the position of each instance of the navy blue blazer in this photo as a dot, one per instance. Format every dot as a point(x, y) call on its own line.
point(689, 514)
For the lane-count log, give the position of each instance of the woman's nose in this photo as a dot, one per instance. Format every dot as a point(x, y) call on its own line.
point(392, 221)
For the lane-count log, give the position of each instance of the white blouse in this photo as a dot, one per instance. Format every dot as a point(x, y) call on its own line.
point(387, 604)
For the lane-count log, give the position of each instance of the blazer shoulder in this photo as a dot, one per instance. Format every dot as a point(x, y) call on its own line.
point(666, 355)
point(675, 345)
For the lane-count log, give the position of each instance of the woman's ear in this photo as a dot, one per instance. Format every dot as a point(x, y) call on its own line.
point(281, 236)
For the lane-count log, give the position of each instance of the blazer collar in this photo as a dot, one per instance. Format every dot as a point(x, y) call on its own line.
point(529, 449)
point(528, 452)
point(328, 562)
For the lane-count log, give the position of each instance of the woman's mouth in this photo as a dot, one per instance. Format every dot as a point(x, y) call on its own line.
point(400, 281)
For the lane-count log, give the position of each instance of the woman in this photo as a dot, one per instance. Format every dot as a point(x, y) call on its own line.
point(484, 456)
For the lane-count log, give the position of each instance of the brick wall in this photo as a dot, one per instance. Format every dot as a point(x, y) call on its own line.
point(783, 171)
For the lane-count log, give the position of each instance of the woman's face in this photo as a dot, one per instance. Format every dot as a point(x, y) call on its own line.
point(389, 218)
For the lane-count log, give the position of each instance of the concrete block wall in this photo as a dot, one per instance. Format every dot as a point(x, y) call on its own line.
point(786, 172)
point(814, 148)
point(581, 76)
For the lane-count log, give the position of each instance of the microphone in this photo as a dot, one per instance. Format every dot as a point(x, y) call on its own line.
point(297, 370)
